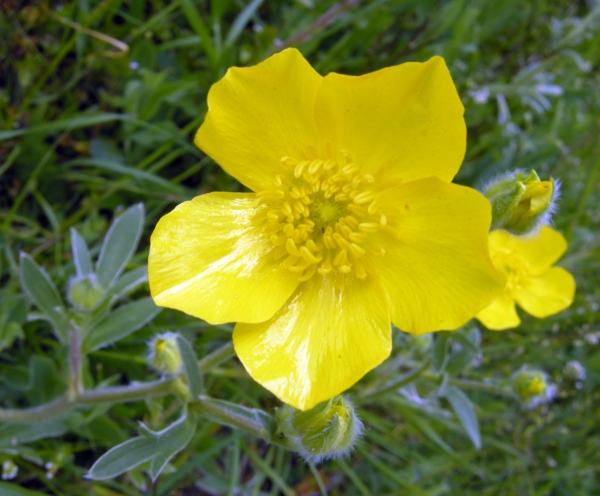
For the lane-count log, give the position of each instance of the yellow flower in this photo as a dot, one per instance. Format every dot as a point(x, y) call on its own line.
point(539, 289)
point(352, 222)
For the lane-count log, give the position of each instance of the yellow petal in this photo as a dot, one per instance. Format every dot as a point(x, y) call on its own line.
point(547, 294)
point(209, 258)
point(539, 251)
point(438, 274)
point(501, 314)
point(401, 122)
point(257, 115)
point(320, 343)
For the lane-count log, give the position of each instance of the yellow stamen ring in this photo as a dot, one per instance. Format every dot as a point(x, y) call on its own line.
point(321, 220)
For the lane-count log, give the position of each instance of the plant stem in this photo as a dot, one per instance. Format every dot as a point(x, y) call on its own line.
point(75, 385)
point(64, 403)
point(217, 357)
point(117, 394)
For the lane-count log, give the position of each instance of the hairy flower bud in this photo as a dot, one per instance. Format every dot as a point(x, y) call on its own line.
point(532, 387)
point(164, 353)
point(330, 430)
point(9, 470)
point(521, 203)
point(85, 292)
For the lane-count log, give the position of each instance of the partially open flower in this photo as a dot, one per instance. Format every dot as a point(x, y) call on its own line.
point(539, 288)
point(521, 203)
point(352, 222)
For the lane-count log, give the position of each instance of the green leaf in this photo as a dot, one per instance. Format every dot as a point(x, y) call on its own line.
point(128, 282)
point(190, 366)
point(440, 351)
point(120, 323)
point(459, 360)
point(7, 489)
point(119, 245)
point(81, 254)
point(12, 435)
point(177, 437)
point(241, 20)
point(123, 457)
point(196, 22)
point(126, 170)
point(159, 447)
point(44, 294)
point(44, 382)
point(9, 333)
point(238, 416)
point(464, 410)
point(81, 120)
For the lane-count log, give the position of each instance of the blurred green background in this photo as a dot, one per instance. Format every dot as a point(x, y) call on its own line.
point(99, 101)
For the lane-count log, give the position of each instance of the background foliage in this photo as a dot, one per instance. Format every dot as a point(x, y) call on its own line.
point(99, 101)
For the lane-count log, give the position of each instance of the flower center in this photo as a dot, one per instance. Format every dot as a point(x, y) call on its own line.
point(326, 212)
point(321, 221)
point(514, 266)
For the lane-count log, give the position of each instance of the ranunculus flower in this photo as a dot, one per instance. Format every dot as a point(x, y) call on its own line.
point(352, 222)
point(539, 289)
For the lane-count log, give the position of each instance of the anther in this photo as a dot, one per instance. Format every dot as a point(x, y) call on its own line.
point(278, 240)
point(356, 250)
point(308, 256)
point(325, 267)
point(357, 237)
point(310, 271)
point(359, 269)
point(368, 227)
point(289, 261)
point(287, 209)
point(340, 258)
point(364, 197)
point(291, 247)
point(345, 269)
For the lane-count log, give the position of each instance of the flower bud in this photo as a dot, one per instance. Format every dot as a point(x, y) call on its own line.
point(85, 293)
point(9, 470)
point(532, 387)
point(164, 353)
point(330, 430)
point(521, 203)
point(575, 371)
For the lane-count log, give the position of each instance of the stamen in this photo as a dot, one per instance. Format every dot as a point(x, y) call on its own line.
point(291, 247)
point(289, 261)
point(368, 227)
point(320, 220)
point(340, 258)
point(309, 273)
